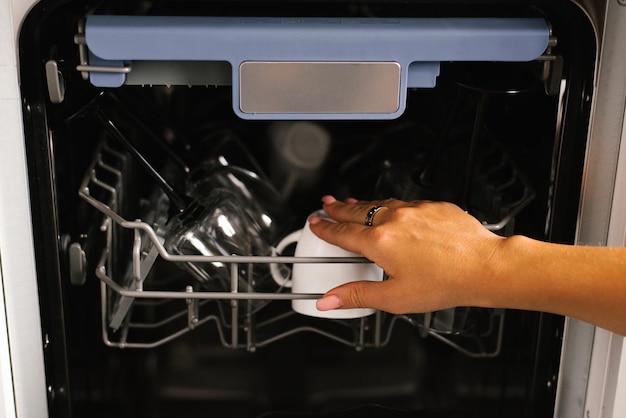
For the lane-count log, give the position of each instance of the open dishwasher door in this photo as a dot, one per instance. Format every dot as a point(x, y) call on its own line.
point(135, 328)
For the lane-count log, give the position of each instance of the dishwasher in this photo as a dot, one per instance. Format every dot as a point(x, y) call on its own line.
point(146, 122)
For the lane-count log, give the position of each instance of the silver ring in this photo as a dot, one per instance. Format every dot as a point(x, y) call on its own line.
point(369, 218)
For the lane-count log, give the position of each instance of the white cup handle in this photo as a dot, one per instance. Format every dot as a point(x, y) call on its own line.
point(277, 272)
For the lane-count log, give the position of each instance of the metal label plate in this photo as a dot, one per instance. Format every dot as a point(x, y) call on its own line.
point(319, 87)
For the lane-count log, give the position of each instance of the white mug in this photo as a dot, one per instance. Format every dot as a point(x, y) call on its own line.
point(321, 277)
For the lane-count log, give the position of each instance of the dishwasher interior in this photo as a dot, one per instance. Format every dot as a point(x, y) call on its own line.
point(136, 326)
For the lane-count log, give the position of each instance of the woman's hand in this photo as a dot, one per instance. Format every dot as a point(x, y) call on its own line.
point(436, 255)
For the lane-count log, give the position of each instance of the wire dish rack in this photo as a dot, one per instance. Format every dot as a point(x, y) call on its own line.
point(147, 301)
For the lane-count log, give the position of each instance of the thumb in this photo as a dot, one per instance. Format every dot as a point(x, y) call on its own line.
point(359, 294)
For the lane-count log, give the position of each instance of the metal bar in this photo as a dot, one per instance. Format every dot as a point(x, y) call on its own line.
point(234, 305)
point(127, 68)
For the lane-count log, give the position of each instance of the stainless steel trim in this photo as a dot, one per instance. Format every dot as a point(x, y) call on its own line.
point(319, 87)
point(617, 227)
point(581, 387)
point(574, 369)
point(603, 146)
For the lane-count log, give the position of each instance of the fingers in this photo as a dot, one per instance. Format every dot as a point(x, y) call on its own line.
point(425, 248)
point(362, 294)
point(348, 235)
point(350, 231)
point(356, 211)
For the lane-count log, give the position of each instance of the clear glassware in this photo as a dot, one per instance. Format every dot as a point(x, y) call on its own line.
point(257, 197)
point(222, 227)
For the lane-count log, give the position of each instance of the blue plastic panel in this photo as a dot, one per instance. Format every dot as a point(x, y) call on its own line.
point(418, 45)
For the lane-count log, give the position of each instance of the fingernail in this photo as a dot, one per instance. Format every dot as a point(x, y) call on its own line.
point(328, 303)
point(328, 199)
point(313, 220)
